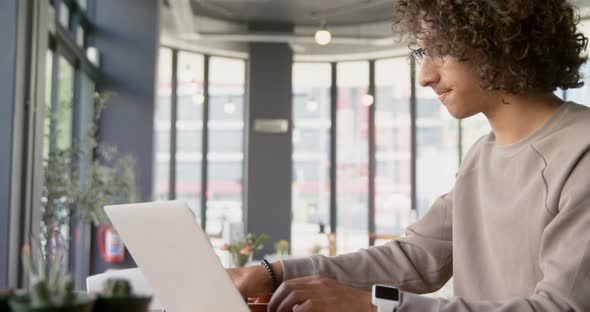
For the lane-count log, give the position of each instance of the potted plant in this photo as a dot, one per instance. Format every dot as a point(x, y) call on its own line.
point(282, 248)
point(79, 180)
point(5, 294)
point(243, 250)
point(117, 296)
point(51, 290)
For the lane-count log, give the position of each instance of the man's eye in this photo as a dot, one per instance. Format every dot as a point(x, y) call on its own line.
point(418, 54)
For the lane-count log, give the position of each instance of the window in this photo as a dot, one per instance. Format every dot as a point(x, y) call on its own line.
point(437, 159)
point(189, 124)
point(63, 109)
point(48, 101)
point(64, 15)
point(582, 95)
point(226, 131)
point(393, 151)
point(473, 128)
point(311, 158)
point(162, 126)
point(352, 149)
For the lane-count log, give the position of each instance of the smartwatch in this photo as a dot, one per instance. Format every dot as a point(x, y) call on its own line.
point(385, 298)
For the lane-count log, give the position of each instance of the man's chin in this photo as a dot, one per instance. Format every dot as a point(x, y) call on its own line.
point(458, 113)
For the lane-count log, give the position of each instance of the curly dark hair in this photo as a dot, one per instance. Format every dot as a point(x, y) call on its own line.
point(517, 46)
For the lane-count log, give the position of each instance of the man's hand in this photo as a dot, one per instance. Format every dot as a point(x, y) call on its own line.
point(254, 281)
point(317, 293)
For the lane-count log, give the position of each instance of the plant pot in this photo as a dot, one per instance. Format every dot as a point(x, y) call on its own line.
point(22, 304)
point(239, 260)
point(124, 304)
point(5, 295)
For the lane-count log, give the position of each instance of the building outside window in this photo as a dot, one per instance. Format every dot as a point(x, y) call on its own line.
point(226, 135)
point(352, 140)
point(582, 95)
point(311, 158)
point(437, 159)
point(225, 125)
point(393, 203)
point(189, 125)
point(162, 123)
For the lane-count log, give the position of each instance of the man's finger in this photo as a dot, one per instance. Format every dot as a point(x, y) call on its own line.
point(296, 297)
point(287, 287)
point(307, 306)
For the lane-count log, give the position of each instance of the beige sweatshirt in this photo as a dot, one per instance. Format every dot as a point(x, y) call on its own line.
point(514, 232)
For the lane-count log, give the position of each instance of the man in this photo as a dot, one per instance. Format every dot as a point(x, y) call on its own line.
point(514, 231)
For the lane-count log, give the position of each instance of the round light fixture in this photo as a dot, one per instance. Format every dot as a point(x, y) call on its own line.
point(198, 99)
point(323, 36)
point(229, 108)
point(312, 105)
point(368, 100)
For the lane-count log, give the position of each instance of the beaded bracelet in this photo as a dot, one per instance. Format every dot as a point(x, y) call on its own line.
point(271, 272)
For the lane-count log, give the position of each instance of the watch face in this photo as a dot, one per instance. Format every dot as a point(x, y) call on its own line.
point(388, 293)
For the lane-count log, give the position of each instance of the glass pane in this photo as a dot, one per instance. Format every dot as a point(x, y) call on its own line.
point(65, 104)
point(437, 159)
point(80, 36)
point(59, 134)
point(64, 15)
point(226, 131)
point(582, 95)
point(311, 158)
point(162, 126)
point(474, 127)
point(353, 149)
point(393, 204)
point(189, 127)
point(48, 93)
point(83, 4)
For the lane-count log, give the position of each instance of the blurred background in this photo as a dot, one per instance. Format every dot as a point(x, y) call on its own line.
point(298, 119)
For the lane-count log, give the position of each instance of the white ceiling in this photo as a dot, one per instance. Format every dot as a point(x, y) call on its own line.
point(299, 12)
point(214, 24)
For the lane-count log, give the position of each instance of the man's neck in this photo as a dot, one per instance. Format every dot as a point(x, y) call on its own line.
point(520, 116)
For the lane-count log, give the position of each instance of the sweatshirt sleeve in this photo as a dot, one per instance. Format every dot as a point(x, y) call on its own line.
point(564, 261)
point(421, 262)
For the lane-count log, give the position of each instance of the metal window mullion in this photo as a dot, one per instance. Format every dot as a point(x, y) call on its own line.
point(173, 134)
point(205, 148)
point(24, 177)
point(413, 137)
point(333, 149)
point(372, 149)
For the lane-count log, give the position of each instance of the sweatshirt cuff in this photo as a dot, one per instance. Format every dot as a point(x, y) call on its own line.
point(412, 302)
point(299, 267)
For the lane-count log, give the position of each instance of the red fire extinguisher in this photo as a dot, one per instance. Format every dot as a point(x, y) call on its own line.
point(110, 244)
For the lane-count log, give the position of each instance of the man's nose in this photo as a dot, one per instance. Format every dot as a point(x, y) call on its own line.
point(429, 73)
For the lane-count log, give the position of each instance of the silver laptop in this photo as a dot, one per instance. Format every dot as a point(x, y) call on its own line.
point(176, 257)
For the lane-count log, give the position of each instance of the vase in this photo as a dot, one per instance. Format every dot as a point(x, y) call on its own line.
point(22, 304)
point(124, 304)
point(240, 260)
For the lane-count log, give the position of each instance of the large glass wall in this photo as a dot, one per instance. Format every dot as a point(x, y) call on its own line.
point(473, 128)
point(225, 127)
point(352, 140)
point(582, 95)
point(162, 124)
point(226, 131)
point(393, 204)
point(437, 140)
point(311, 158)
point(68, 106)
point(189, 125)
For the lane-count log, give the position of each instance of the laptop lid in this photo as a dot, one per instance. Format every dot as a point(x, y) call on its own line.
point(176, 257)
